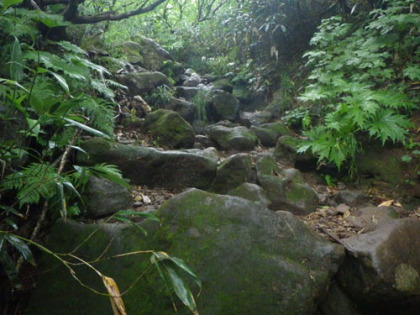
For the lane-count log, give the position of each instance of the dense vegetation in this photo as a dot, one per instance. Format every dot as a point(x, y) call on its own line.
point(360, 82)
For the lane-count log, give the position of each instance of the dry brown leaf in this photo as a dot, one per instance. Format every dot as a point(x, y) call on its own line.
point(346, 214)
point(387, 203)
point(114, 295)
point(374, 220)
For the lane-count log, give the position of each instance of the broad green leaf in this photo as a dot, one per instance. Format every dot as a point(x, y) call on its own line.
point(12, 82)
point(61, 81)
point(8, 3)
point(134, 224)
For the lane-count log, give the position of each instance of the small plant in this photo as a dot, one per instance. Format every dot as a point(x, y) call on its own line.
point(160, 97)
point(200, 101)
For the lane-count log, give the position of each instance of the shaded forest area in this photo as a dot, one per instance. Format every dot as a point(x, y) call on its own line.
point(341, 76)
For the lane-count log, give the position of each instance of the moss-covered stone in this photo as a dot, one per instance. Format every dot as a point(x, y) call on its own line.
point(249, 259)
point(221, 105)
point(233, 138)
point(233, 171)
point(251, 192)
point(169, 129)
point(140, 83)
point(285, 188)
point(151, 167)
point(269, 133)
point(224, 85)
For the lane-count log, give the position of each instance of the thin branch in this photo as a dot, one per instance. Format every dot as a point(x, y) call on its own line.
point(72, 14)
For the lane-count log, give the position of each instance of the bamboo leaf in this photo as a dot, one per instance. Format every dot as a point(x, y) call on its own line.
point(61, 81)
point(9, 3)
point(144, 215)
point(86, 128)
point(16, 62)
point(21, 247)
point(114, 295)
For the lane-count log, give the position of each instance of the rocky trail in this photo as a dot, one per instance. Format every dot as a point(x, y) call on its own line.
point(235, 201)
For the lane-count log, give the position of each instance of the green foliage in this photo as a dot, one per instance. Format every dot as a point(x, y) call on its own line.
point(200, 101)
point(361, 74)
point(160, 96)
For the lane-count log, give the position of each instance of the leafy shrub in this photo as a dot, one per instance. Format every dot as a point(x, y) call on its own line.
point(361, 80)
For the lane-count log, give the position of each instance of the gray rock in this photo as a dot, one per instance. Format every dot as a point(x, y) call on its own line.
point(146, 53)
point(352, 198)
point(382, 270)
point(251, 192)
point(269, 133)
point(337, 303)
point(257, 118)
point(369, 218)
point(221, 105)
point(250, 261)
point(192, 81)
point(186, 92)
point(151, 167)
point(185, 109)
point(169, 129)
point(204, 141)
point(103, 197)
point(233, 171)
point(236, 138)
point(140, 83)
point(285, 189)
point(286, 148)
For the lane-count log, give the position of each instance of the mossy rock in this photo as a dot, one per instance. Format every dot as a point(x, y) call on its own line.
point(140, 83)
point(221, 105)
point(169, 129)
point(285, 188)
point(223, 84)
point(269, 133)
point(233, 171)
point(250, 261)
point(233, 138)
point(152, 167)
point(251, 192)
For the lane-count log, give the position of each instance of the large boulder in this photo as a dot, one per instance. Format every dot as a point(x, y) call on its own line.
point(169, 129)
point(250, 261)
point(285, 188)
point(232, 172)
point(103, 197)
point(151, 167)
point(186, 109)
point(186, 92)
point(141, 83)
point(221, 105)
point(145, 52)
point(382, 270)
point(232, 138)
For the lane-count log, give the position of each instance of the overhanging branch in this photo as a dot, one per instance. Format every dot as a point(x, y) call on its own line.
point(72, 14)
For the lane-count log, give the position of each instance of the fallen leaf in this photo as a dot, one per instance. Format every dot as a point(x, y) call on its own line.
point(114, 295)
point(387, 203)
point(146, 200)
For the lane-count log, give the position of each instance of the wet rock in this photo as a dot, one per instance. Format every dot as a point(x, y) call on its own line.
point(251, 192)
point(236, 138)
point(382, 270)
point(140, 83)
point(151, 167)
point(232, 172)
point(169, 129)
point(285, 188)
point(103, 197)
point(250, 260)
